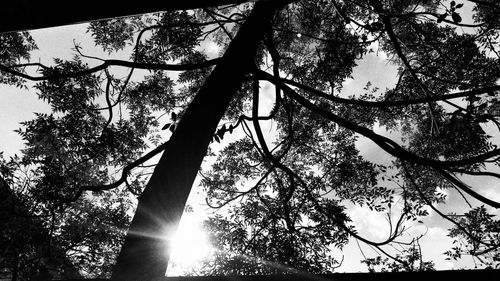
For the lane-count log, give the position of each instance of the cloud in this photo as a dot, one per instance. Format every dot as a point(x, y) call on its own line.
point(363, 73)
point(493, 192)
point(370, 224)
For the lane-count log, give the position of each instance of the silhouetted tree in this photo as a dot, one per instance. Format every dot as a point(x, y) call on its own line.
point(285, 202)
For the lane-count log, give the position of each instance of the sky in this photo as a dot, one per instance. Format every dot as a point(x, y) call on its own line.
point(17, 105)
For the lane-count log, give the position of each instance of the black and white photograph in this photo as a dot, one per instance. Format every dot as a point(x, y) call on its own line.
point(250, 140)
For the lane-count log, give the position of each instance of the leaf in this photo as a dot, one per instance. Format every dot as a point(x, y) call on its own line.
point(482, 106)
point(220, 133)
point(473, 98)
point(166, 126)
point(459, 6)
point(442, 17)
point(174, 116)
point(452, 4)
point(231, 129)
point(377, 25)
point(216, 138)
point(456, 17)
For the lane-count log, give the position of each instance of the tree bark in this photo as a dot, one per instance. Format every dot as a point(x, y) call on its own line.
point(145, 253)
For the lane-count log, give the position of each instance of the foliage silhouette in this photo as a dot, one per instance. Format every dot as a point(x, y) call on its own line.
point(283, 195)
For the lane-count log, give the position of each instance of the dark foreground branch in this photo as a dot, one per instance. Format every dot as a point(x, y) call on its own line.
point(28, 14)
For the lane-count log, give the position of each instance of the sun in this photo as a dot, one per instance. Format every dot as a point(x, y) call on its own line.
point(190, 244)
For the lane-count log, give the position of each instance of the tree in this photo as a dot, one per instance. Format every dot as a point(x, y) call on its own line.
point(476, 236)
point(412, 258)
point(310, 167)
point(298, 186)
point(38, 238)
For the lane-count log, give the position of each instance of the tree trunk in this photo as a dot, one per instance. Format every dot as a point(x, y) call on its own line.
point(145, 253)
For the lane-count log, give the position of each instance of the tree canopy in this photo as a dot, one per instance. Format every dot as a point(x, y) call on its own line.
point(282, 194)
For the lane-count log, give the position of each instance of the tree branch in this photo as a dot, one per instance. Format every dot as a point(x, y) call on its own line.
point(383, 142)
point(108, 63)
point(385, 104)
point(125, 172)
point(291, 173)
point(426, 200)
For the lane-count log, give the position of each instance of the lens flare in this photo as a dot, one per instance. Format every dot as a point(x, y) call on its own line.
point(190, 245)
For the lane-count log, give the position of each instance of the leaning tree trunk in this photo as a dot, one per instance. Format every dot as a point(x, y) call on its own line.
point(145, 253)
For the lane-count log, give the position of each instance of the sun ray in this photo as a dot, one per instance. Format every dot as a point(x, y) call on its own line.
point(189, 245)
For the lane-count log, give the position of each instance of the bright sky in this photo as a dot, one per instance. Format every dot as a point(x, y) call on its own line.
point(18, 105)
